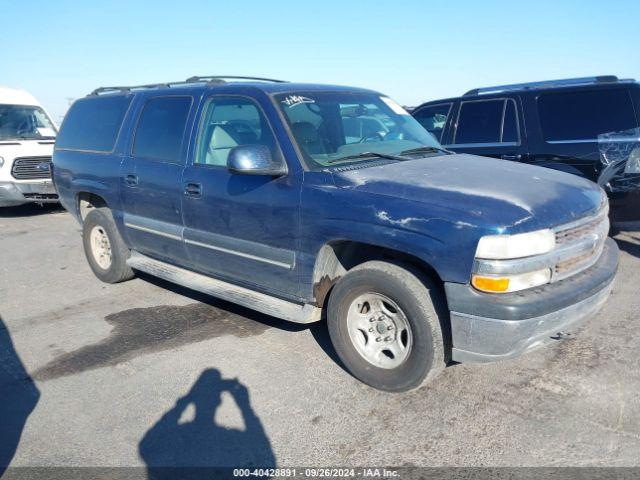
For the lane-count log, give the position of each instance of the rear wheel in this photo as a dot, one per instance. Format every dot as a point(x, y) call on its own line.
point(104, 248)
point(384, 324)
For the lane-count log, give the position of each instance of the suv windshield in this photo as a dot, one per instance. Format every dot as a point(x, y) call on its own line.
point(24, 122)
point(340, 128)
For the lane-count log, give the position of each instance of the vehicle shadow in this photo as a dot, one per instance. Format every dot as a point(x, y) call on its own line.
point(629, 243)
point(138, 331)
point(176, 447)
point(30, 210)
point(318, 329)
point(18, 398)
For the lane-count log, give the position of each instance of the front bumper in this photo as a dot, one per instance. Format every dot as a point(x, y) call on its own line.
point(18, 193)
point(486, 327)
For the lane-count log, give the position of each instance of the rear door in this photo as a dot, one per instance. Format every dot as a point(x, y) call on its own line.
point(565, 125)
point(490, 127)
point(151, 177)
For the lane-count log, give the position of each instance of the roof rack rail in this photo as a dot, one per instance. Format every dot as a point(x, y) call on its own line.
point(222, 78)
point(218, 79)
point(543, 84)
point(125, 89)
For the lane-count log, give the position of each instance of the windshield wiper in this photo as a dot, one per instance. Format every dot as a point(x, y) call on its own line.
point(425, 149)
point(367, 155)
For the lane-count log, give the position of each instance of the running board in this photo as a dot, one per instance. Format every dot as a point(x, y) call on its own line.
point(261, 302)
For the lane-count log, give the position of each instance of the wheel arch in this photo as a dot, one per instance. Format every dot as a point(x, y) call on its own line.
point(336, 258)
point(87, 201)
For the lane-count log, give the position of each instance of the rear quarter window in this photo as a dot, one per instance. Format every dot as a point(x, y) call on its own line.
point(583, 115)
point(93, 123)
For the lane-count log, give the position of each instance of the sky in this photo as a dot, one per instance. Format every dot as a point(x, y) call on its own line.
point(411, 50)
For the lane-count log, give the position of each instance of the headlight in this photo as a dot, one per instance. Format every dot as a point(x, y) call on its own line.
point(493, 248)
point(504, 247)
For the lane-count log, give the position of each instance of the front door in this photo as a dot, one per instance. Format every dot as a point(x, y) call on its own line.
point(241, 228)
point(151, 178)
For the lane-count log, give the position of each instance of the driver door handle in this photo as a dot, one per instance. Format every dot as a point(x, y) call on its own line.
point(513, 157)
point(131, 180)
point(193, 189)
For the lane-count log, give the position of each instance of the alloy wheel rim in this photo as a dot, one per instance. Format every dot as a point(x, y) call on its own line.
point(100, 247)
point(379, 330)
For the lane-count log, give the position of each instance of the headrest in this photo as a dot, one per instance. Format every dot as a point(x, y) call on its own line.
point(223, 137)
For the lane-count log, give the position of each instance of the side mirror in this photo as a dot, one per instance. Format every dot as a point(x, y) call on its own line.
point(254, 160)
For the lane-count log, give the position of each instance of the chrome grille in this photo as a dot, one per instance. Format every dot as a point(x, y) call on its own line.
point(31, 168)
point(583, 242)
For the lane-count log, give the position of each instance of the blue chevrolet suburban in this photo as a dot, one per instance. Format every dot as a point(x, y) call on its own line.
point(314, 202)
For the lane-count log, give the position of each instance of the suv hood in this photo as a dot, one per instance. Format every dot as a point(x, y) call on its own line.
point(506, 196)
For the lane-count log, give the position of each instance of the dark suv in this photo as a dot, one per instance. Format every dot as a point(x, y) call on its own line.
point(585, 126)
point(312, 202)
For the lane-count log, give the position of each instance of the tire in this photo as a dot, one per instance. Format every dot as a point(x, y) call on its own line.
point(97, 229)
point(419, 353)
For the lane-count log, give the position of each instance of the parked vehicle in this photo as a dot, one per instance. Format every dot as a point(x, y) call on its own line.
point(27, 135)
point(310, 201)
point(580, 126)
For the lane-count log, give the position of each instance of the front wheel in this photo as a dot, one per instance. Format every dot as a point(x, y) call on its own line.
point(384, 324)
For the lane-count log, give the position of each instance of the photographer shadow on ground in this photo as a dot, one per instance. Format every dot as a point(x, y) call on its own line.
point(18, 398)
point(198, 441)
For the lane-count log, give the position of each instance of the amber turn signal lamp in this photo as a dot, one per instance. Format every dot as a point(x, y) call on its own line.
point(490, 284)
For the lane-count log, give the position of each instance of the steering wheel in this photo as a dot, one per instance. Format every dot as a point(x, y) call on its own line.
point(372, 136)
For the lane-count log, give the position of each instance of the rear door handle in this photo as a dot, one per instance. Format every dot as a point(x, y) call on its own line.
point(193, 189)
point(131, 180)
point(513, 158)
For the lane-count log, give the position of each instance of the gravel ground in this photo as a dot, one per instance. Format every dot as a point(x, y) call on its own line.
point(147, 372)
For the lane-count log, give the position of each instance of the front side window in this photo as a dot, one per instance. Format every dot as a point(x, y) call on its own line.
point(583, 115)
point(434, 118)
point(230, 122)
point(350, 127)
point(160, 129)
point(24, 122)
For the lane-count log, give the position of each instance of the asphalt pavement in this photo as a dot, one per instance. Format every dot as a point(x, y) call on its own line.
point(145, 372)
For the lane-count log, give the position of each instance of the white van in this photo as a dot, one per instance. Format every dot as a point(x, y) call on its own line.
point(27, 135)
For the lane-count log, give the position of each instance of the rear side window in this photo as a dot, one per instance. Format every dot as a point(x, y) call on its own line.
point(487, 121)
point(434, 118)
point(93, 123)
point(584, 115)
point(161, 127)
